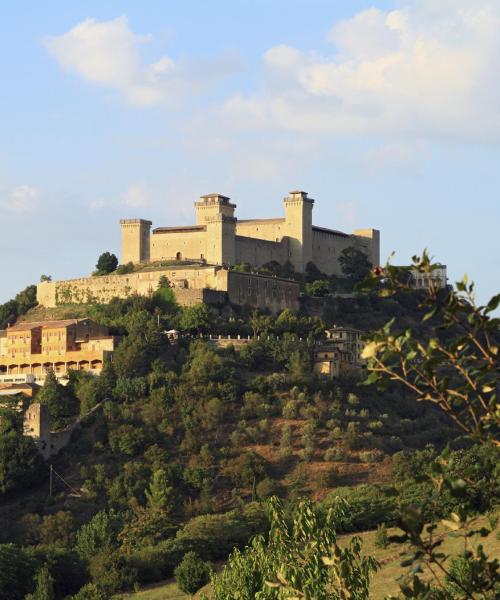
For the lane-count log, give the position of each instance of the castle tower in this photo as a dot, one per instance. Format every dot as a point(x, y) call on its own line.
point(298, 227)
point(216, 212)
point(213, 205)
point(135, 240)
point(37, 426)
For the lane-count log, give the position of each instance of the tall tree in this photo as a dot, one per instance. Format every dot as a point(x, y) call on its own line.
point(106, 263)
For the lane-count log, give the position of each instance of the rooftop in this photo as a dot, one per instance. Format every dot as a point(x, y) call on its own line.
point(44, 324)
point(180, 229)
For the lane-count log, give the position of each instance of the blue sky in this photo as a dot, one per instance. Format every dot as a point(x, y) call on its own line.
point(387, 113)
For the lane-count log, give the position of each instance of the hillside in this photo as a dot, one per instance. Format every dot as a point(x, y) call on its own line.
point(189, 440)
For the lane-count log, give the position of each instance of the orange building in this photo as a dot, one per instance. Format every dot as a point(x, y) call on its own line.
point(34, 348)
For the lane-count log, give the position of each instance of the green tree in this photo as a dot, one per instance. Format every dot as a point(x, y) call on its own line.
point(44, 586)
point(300, 560)
point(192, 573)
point(16, 572)
point(161, 493)
point(106, 263)
point(318, 288)
point(354, 263)
point(197, 319)
point(98, 535)
point(455, 365)
point(21, 465)
point(56, 397)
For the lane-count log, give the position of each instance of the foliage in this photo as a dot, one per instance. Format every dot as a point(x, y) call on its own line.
point(197, 319)
point(44, 586)
point(98, 535)
point(302, 560)
point(21, 465)
point(354, 263)
point(457, 368)
point(20, 305)
point(192, 573)
point(106, 263)
point(61, 405)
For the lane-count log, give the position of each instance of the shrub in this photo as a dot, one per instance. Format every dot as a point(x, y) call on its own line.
point(192, 573)
point(333, 455)
point(290, 410)
point(269, 487)
point(381, 537)
point(370, 456)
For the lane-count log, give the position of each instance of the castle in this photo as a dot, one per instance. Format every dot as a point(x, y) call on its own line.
point(198, 259)
point(219, 238)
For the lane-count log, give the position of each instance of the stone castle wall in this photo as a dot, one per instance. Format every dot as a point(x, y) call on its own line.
point(210, 285)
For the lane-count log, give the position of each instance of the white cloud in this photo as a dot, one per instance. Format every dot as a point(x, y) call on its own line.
point(22, 199)
point(134, 197)
point(429, 68)
point(107, 53)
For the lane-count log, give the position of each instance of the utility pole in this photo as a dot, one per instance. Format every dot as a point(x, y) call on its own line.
point(50, 481)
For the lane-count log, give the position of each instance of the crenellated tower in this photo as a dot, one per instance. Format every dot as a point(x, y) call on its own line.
point(135, 240)
point(216, 213)
point(298, 227)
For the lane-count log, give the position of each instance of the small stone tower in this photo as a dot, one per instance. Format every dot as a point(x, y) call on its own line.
point(298, 227)
point(37, 426)
point(135, 240)
point(216, 213)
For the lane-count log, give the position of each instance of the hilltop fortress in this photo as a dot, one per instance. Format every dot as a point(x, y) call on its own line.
point(219, 238)
point(198, 259)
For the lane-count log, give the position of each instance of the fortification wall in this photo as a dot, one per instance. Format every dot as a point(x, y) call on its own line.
point(103, 289)
point(258, 291)
point(328, 246)
point(210, 285)
point(259, 252)
point(262, 229)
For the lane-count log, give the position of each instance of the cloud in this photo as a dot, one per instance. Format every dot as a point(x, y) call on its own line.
point(107, 53)
point(22, 199)
point(429, 68)
point(134, 197)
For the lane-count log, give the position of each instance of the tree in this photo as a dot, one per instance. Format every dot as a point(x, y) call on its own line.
point(57, 529)
point(161, 493)
point(56, 397)
point(197, 319)
point(456, 366)
point(44, 586)
point(98, 535)
point(45, 278)
point(300, 560)
point(354, 263)
point(192, 573)
point(16, 572)
point(21, 465)
point(318, 288)
point(107, 263)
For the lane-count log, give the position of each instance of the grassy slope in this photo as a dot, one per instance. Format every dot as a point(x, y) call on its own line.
point(383, 583)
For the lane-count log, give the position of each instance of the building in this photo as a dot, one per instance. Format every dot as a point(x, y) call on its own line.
point(339, 352)
point(435, 279)
point(219, 238)
point(198, 259)
point(30, 349)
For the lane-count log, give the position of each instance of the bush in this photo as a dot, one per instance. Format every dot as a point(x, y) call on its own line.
point(333, 455)
point(192, 573)
point(269, 487)
point(291, 410)
point(381, 537)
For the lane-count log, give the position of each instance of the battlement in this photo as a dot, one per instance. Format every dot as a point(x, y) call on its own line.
point(219, 238)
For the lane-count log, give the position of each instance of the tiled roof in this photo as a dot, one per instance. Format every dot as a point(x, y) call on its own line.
point(26, 326)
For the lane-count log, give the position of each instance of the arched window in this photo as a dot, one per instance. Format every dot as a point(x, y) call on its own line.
point(178, 256)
